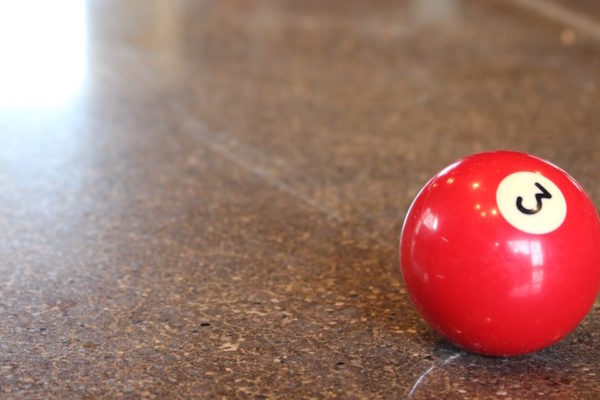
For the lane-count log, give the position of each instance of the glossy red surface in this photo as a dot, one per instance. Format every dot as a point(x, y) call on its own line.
point(486, 285)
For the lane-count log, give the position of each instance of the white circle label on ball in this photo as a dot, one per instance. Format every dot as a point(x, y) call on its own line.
point(531, 202)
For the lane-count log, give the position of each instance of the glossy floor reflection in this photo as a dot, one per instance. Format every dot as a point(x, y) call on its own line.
point(42, 52)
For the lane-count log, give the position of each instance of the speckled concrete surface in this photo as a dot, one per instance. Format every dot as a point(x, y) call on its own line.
point(215, 212)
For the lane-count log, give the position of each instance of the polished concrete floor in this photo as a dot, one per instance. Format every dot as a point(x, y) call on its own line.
point(204, 199)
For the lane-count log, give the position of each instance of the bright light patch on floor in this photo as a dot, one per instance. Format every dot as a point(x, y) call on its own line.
point(42, 51)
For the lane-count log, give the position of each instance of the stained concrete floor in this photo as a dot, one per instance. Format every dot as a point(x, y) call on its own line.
point(204, 199)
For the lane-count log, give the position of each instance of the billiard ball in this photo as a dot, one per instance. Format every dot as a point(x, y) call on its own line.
point(500, 253)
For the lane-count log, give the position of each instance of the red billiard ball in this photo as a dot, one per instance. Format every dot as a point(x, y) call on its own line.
point(500, 253)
